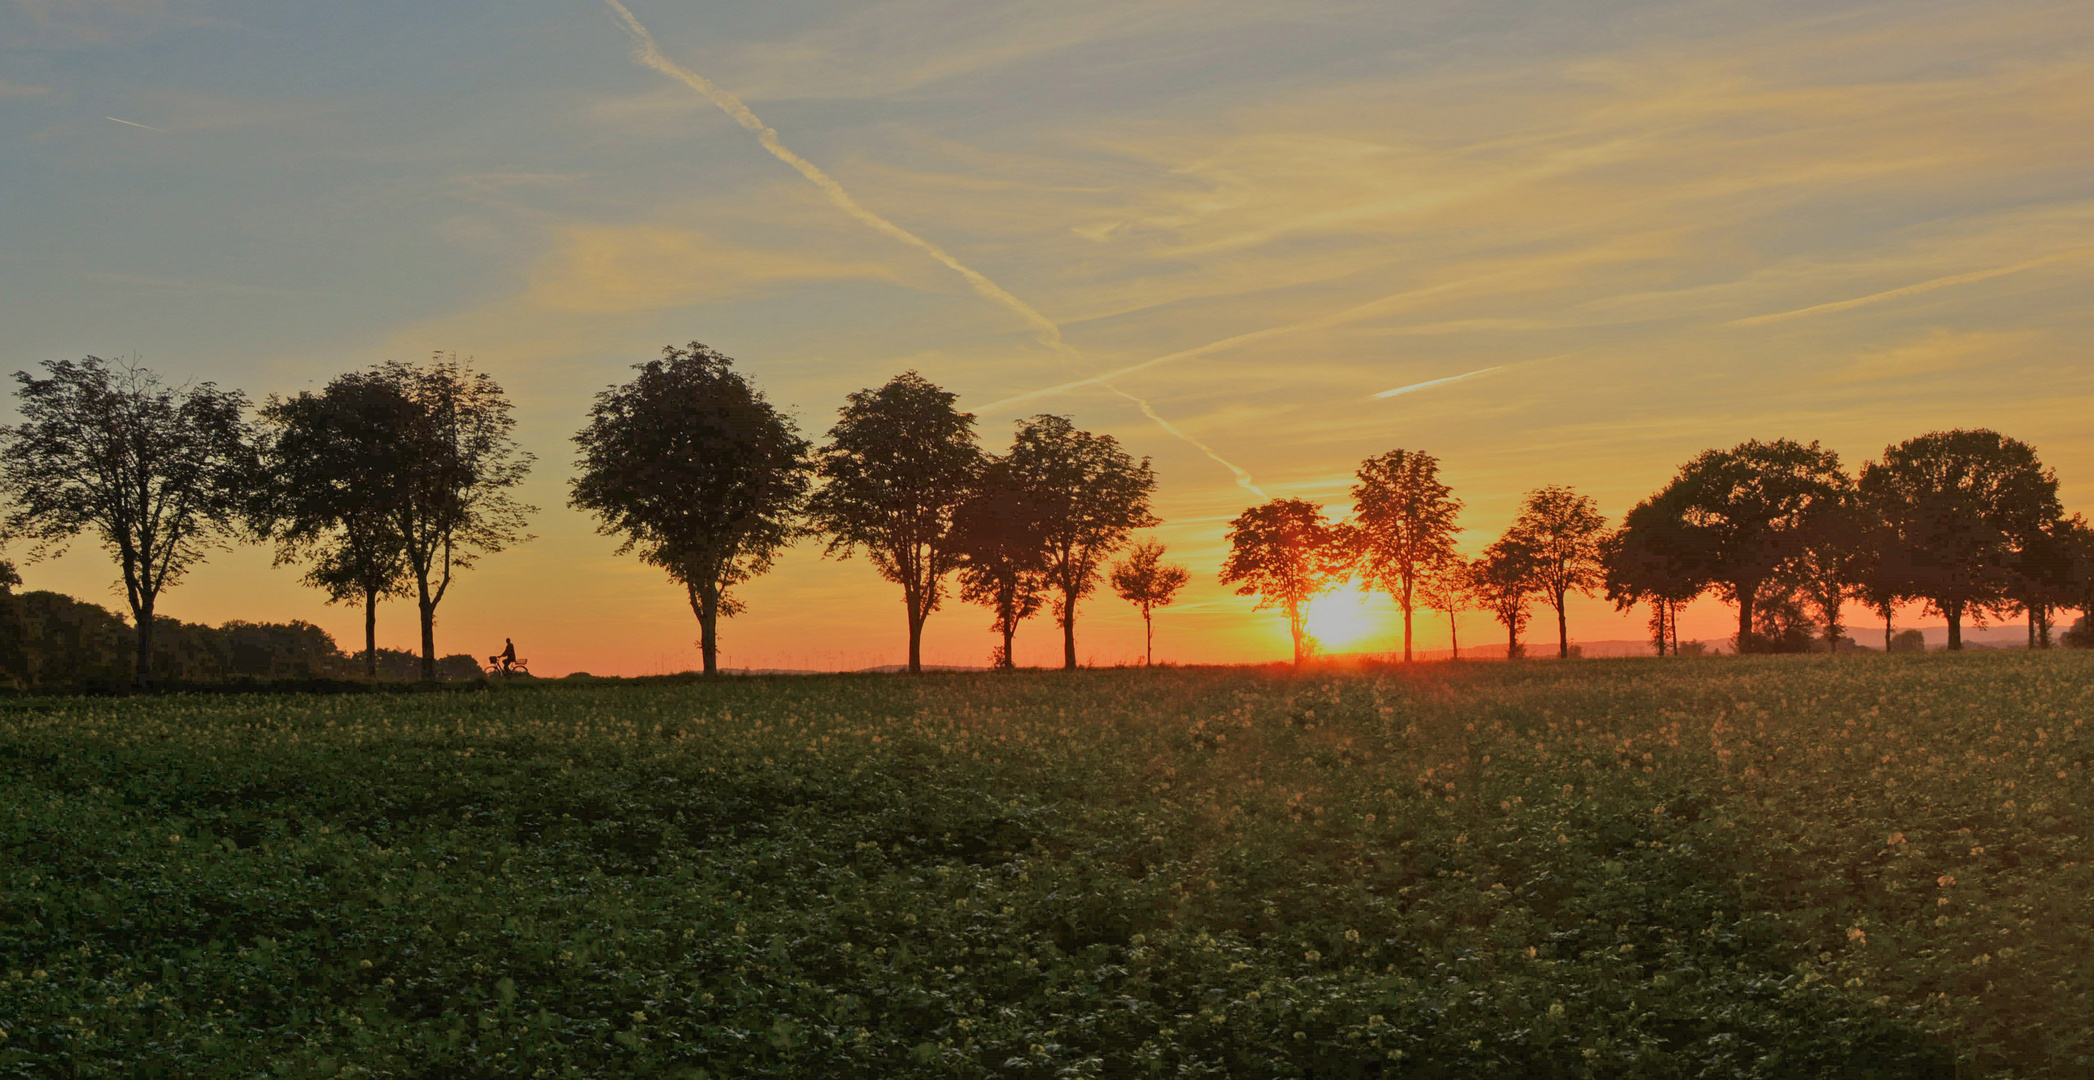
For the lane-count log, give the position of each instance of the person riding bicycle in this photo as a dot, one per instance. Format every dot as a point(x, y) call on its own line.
point(506, 659)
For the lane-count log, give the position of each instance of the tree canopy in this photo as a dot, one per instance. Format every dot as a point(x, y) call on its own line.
point(159, 474)
point(1089, 495)
point(1961, 507)
point(1403, 523)
point(896, 468)
point(1286, 553)
point(699, 473)
point(1561, 533)
point(1000, 536)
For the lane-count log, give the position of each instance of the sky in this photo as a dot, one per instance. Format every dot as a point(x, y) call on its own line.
point(1220, 232)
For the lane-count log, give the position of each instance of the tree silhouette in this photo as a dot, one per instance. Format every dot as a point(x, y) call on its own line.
point(451, 500)
point(332, 460)
point(1403, 524)
point(1285, 552)
point(698, 472)
point(1652, 559)
point(1561, 532)
point(1748, 511)
point(159, 474)
point(999, 535)
point(897, 466)
point(1831, 566)
point(1444, 586)
point(1962, 505)
point(1146, 581)
point(1504, 580)
point(1090, 495)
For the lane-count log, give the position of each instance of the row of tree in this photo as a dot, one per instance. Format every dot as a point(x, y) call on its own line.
point(1966, 522)
point(389, 481)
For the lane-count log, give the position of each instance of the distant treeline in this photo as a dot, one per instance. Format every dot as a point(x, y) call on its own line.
point(50, 641)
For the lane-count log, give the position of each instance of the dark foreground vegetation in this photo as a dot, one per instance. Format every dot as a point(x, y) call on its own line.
point(1829, 866)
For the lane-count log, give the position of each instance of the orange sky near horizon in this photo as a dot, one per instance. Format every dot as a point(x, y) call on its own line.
point(1592, 243)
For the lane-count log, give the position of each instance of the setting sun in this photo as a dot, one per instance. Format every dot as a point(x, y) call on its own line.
point(1345, 619)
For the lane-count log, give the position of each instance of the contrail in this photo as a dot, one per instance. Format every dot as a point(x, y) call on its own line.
point(1401, 390)
point(646, 51)
point(148, 127)
point(1329, 319)
point(1908, 290)
point(1243, 478)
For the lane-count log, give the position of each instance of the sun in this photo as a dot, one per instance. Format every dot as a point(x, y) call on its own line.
point(1341, 619)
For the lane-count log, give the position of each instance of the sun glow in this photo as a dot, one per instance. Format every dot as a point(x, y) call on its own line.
point(1343, 619)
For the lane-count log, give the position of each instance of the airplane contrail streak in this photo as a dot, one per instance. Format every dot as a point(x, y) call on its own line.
point(148, 127)
point(1908, 290)
point(647, 52)
point(1330, 319)
point(1243, 478)
point(1401, 390)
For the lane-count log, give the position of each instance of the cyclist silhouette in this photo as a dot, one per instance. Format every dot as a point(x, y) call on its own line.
point(506, 659)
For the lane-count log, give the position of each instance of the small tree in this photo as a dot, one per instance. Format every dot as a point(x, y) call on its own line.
point(450, 499)
point(1503, 580)
point(1962, 505)
point(1830, 568)
point(700, 473)
point(1000, 539)
point(1403, 524)
point(332, 460)
point(160, 474)
point(1651, 560)
point(1444, 587)
point(898, 464)
point(1561, 532)
point(1146, 581)
point(1090, 495)
point(1286, 553)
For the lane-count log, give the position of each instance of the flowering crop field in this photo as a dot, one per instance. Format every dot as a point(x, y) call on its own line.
point(1783, 866)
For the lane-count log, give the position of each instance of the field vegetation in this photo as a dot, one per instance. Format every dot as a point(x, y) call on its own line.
point(1727, 867)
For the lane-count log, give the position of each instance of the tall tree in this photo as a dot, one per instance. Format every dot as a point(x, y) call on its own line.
point(1286, 553)
point(898, 464)
point(1504, 580)
point(1748, 511)
point(1561, 531)
point(1000, 536)
point(1962, 505)
point(1830, 568)
point(1090, 495)
point(159, 474)
point(1146, 581)
point(451, 500)
point(331, 460)
point(1403, 524)
point(698, 472)
point(1444, 587)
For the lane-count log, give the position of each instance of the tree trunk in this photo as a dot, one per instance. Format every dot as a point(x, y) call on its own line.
point(1010, 637)
point(916, 617)
point(1886, 628)
point(1745, 598)
point(142, 674)
point(1068, 632)
point(1563, 634)
point(1955, 614)
point(1405, 600)
point(1294, 627)
point(708, 612)
point(1512, 643)
point(371, 634)
point(1453, 637)
point(427, 610)
point(1148, 639)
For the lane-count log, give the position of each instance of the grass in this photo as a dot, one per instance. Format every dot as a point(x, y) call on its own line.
point(1732, 867)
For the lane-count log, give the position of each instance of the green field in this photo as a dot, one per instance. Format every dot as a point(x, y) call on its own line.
point(1730, 867)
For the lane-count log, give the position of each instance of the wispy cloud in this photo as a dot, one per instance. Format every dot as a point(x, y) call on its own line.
point(1915, 289)
point(132, 123)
